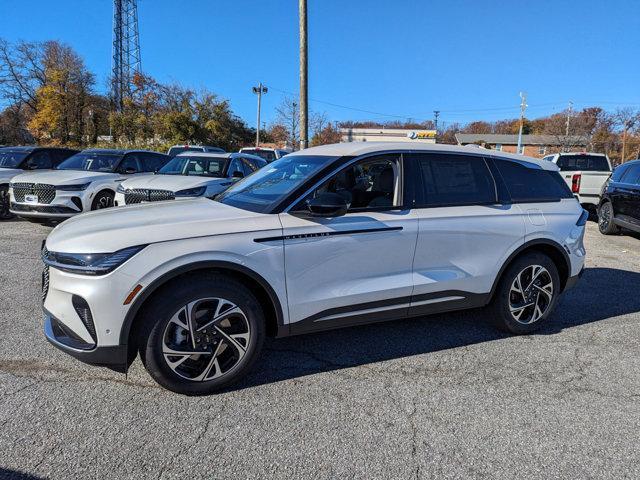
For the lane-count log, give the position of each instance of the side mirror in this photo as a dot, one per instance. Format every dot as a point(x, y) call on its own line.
point(237, 174)
point(328, 205)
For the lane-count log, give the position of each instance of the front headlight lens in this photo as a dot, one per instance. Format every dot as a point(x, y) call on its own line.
point(191, 192)
point(89, 263)
point(73, 188)
point(120, 189)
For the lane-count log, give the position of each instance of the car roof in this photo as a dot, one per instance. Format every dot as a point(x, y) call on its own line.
point(115, 151)
point(204, 154)
point(363, 148)
point(582, 153)
point(33, 148)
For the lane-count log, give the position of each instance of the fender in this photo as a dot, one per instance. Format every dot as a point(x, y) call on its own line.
point(531, 243)
point(153, 286)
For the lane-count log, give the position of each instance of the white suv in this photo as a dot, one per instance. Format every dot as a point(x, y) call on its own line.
point(327, 237)
point(189, 175)
point(86, 181)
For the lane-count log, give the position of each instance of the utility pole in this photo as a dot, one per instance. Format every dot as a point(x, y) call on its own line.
point(566, 130)
point(624, 140)
point(523, 107)
point(259, 90)
point(436, 114)
point(304, 105)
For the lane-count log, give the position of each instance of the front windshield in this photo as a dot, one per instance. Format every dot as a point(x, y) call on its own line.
point(264, 189)
point(93, 161)
point(195, 165)
point(9, 159)
point(267, 155)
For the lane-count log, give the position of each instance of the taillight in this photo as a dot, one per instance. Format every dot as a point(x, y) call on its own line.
point(582, 221)
point(575, 183)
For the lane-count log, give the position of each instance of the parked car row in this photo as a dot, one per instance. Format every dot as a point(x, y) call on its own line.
point(50, 184)
point(323, 238)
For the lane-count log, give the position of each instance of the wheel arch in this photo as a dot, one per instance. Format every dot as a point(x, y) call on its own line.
point(265, 294)
point(548, 247)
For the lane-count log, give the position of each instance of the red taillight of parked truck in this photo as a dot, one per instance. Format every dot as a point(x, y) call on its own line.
point(575, 183)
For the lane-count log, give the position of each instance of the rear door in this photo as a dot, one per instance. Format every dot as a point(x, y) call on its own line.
point(358, 267)
point(466, 231)
point(629, 194)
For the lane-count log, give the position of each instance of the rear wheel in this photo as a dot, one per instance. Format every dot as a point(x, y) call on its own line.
point(526, 295)
point(605, 220)
point(199, 336)
point(5, 214)
point(104, 199)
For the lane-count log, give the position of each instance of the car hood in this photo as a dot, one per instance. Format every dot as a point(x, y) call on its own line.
point(9, 173)
point(64, 177)
point(113, 229)
point(173, 183)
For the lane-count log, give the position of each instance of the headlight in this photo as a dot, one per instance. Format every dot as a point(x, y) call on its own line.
point(73, 188)
point(120, 189)
point(89, 263)
point(191, 192)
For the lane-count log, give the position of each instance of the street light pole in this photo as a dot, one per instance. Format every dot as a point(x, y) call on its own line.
point(523, 107)
point(304, 105)
point(259, 90)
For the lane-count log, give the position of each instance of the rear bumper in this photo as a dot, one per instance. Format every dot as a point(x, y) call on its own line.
point(572, 281)
point(113, 357)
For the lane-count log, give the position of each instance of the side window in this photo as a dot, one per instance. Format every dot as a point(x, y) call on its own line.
point(248, 167)
point(235, 166)
point(455, 180)
point(39, 160)
point(370, 183)
point(532, 184)
point(632, 175)
point(130, 164)
point(152, 162)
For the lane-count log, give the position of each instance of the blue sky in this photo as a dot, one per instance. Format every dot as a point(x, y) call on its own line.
point(399, 58)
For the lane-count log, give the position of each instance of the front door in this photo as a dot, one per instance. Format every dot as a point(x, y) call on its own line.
point(357, 267)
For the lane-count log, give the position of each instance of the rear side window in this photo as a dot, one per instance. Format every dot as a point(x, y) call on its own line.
point(618, 172)
point(40, 160)
point(586, 163)
point(532, 184)
point(632, 175)
point(454, 180)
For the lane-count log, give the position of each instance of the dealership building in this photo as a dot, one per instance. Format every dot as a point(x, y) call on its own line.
point(387, 135)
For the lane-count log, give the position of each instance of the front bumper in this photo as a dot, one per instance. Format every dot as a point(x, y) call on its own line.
point(41, 211)
point(114, 357)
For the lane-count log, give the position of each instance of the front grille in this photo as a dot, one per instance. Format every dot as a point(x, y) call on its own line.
point(139, 195)
point(84, 312)
point(46, 193)
point(41, 208)
point(45, 282)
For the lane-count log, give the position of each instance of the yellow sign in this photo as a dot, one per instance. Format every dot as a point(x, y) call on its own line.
point(425, 134)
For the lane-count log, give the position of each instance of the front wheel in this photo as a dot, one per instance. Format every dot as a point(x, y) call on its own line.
point(5, 214)
point(605, 220)
point(103, 199)
point(201, 335)
point(526, 295)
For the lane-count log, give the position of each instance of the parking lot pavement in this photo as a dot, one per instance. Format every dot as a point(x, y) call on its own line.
point(443, 396)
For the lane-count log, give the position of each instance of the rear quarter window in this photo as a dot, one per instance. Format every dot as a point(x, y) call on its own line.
point(527, 184)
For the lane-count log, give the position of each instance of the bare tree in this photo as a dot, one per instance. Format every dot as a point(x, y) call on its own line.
point(288, 115)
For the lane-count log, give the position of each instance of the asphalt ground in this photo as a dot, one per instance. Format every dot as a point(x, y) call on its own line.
point(437, 397)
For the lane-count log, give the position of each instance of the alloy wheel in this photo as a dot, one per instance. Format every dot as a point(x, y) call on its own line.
point(531, 294)
point(206, 339)
point(604, 216)
point(105, 201)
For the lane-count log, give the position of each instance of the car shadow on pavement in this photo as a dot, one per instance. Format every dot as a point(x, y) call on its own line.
point(602, 293)
point(8, 474)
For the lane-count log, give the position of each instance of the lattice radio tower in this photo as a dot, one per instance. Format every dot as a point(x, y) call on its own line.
point(126, 50)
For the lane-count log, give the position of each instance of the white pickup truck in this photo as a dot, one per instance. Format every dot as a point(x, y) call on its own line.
point(585, 173)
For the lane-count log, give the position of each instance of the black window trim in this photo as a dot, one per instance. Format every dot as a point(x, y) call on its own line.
point(346, 163)
point(625, 174)
point(419, 183)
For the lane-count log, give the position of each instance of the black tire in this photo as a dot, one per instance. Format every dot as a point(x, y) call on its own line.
point(504, 298)
point(5, 214)
point(103, 199)
point(155, 331)
point(605, 219)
